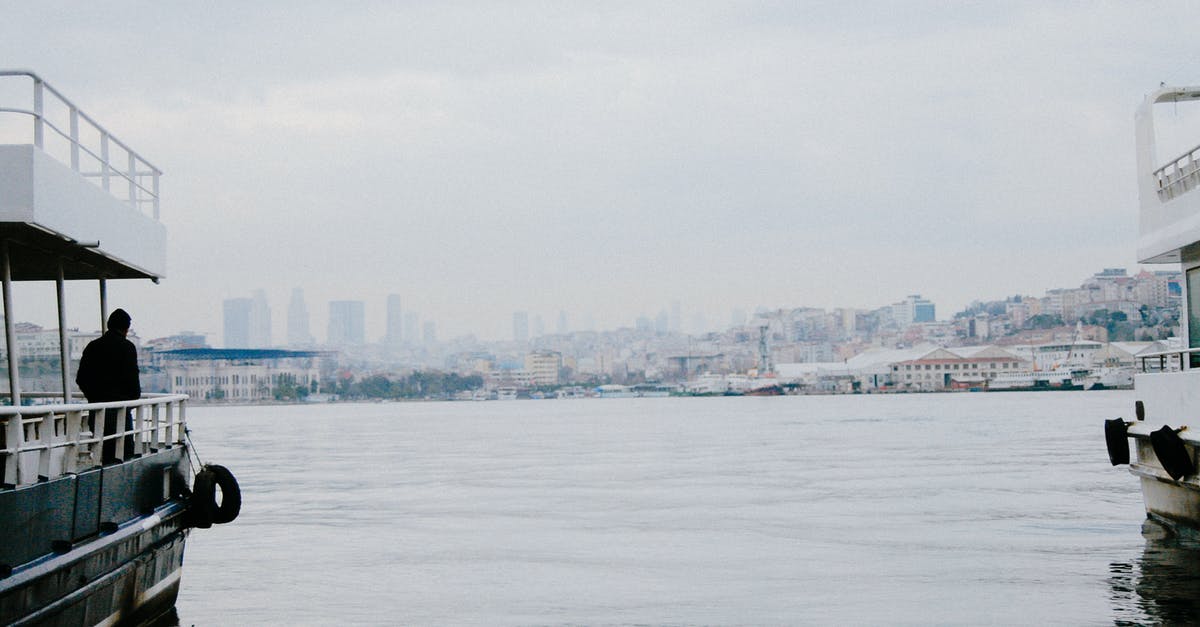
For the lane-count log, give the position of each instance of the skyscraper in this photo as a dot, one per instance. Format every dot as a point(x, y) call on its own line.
point(520, 326)
point(429, 333)
point(237, 322)
point(562, 323)
point(394, 334)
point(260, 320)
point(411, 325)
point(297, 327)
point(347, 323)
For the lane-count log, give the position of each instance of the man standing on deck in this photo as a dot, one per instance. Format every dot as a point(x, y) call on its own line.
point(108, 371)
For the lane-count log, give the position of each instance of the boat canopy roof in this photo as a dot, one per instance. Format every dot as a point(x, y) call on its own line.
point(35, 253)
point(72, 192)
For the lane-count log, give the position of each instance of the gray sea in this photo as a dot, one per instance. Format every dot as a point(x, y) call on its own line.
point(870, 510)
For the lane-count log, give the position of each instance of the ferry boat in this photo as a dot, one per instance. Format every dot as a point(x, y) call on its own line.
point(1167, 386)
point(1061, 379)
point(1110, 378)
point(708, 384)
point(87, 538)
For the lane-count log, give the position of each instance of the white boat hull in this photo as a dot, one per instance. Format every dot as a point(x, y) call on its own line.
point(1175, 502)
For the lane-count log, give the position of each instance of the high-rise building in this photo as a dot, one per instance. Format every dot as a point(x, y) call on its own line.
point(347, 323)
point(429, 333)
point(520, 326)
point(913, 309)
point(297, 326)
point(662, 323)
point(394, 334)
point(237, 322)
point(562, 329)
point(676, 317)
point(411, 325)
point(260, 320)
point(539, 327)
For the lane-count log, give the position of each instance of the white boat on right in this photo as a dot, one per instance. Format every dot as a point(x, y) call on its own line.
point(1110, 378)
point(1167, 385)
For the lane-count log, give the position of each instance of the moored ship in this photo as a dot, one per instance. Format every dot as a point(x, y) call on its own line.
point(89, 534)
point(1167, 387)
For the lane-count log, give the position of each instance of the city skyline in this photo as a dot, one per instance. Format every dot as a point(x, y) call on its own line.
point(354, 316)
point(611, 159)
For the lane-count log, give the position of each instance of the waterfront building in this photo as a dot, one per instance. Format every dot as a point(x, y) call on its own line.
point(943, 369)
point(510, 375)
point(240, 375)
point(35, 343)
point(543, 367)
point(1076, 352)
point(1124, 354)
point(347, 323)
point(183, 339)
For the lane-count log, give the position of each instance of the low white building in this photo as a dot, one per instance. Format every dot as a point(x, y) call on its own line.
point(240, 374)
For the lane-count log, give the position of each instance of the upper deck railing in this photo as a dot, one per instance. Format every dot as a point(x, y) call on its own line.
point(42, 442)
point(77, 140)
point(1179, 175)
point(1169, 361)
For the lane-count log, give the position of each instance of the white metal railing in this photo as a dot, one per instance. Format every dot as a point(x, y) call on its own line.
point(1179, 176)
point(1168, 361)
point(112, 160)
point(40, 442)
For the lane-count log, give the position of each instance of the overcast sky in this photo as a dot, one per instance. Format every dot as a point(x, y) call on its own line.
point(607, 159)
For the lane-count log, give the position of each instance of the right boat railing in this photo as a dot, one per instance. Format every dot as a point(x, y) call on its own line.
point(1178, 176)
point(45, 442)
point(1170, 361)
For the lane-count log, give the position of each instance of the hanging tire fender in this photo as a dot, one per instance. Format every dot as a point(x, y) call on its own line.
point(203, 501)
point(1116, 438)
point(231, 495)
point(1172, 453)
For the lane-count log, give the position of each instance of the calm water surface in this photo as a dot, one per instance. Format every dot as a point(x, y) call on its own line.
point(911, 509)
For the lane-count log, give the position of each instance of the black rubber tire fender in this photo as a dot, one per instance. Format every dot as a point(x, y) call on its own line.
point(203, 501)
point(1116, 438)
point(231, 495)
point(1172, 453)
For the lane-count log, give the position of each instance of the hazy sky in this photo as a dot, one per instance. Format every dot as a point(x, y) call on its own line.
point(609, 158)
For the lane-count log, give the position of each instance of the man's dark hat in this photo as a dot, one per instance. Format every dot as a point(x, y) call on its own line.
point(119, 320)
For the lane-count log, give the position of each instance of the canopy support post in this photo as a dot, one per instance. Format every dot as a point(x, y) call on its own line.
point(10, 335)
point(64, 353)
point(103, 306)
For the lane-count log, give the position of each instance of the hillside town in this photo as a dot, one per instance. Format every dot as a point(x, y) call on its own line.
point(1070, 338)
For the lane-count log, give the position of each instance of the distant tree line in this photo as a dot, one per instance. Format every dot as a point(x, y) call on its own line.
point(1156, 322)
point(427, 384)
